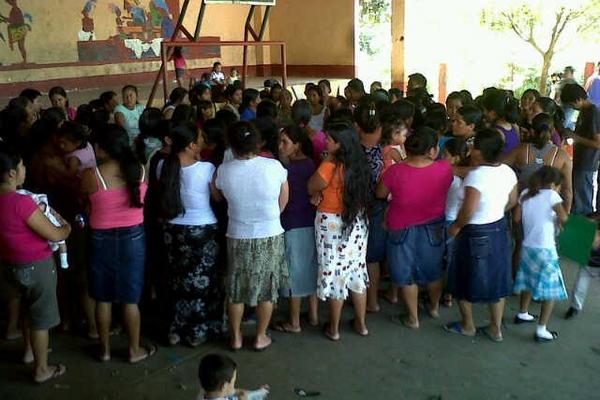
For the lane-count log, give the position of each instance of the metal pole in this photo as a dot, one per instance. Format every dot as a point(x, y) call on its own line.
point(200, 20)
point(163, 53)
point(263, 26)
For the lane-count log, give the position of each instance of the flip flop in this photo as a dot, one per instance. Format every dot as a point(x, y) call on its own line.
point(150, 351)
point(60, 370)
point(455, 327)
point(261, 349)
point(328, 334)
point(540, 339)
point(485, 332)
point(284, 327)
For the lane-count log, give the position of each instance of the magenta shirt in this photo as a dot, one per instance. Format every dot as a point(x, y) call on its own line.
point(18, 243)
point(418, 194)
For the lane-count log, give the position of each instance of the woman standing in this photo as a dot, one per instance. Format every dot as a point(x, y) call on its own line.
point(28, 264)
point(343, 183)
point(416, 244)
point(481, 269)
point(298, 220)
point(115, 190)
point(501, 112)
point(195, 282)
point(256, 191)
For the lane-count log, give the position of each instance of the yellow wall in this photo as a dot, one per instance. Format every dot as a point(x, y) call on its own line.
point(317, 32)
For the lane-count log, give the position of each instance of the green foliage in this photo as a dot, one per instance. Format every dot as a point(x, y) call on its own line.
point(374, 11)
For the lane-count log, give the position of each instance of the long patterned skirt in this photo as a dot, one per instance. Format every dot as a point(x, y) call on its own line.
point(196, 281)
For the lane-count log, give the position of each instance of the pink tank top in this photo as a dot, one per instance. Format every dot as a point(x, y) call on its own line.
point(86, 157)
point(110, 208)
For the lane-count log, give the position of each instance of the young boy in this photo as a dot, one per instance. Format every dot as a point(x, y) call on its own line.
point(217, 374)
point(585, 275)
point(217, 76)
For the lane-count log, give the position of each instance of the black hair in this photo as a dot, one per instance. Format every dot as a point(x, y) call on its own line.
point(19, 102)
point(196, 92)
point(84, 114)
point(12, 122)
point(214, 134)
point(269, 134)
point(74, 132)
point(45, 127)
point(230, 91)
point(505, 106)
point(204, 105)
point(419, 78)
point(571, 93)
point(357, 174)
point(31, 94)
point(342, 115)
point(301, 113)
point(389, 125)
point(550, 107)
point(115, 142)
point(455, 96)
point(534, 92)
point(357, 85)
point(421, 142)
point(214, 371)
point(177, 51)
point(366, 115)
point(106, 97)
point(226, 117)
point(57, 90)
point(171, 204)
point(490, 143)
point(569, 68)
point(177, 95)
point(248, 96)
point(457, 147)
point(150, 123)
point(9, 160)
point(299, 135)
point(316, 89)
point(472, 114)
point(266, 109)
point(183, 113)
point(541, 179)
point(437, 120)
point(467, 97)
point(244, 139)
point(397, 93)
point(216, 64)
point(325, 82)
point(404, 109)
point(542, 128)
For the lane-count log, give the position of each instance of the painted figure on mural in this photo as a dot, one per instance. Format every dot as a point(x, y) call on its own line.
point(138, 15)
point(161, 16)
point(87, 22)
point(17, 28)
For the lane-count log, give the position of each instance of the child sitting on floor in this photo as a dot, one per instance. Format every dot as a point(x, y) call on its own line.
point(42, 201)
point(218, 374)
point(539, 275)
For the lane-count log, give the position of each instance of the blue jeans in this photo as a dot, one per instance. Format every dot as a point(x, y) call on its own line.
point(584, 186)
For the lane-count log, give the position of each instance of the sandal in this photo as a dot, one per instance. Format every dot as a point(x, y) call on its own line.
point(285, 327)
point(59, 370)
point(519, 321)
point(540, 339)
point(456, 327)
point(484, 330)
point(150, 350)
point(329, 335)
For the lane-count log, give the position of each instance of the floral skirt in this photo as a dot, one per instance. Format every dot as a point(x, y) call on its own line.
point(342, 256)
point(539, 273)
point(195, 281)
point(256, 270)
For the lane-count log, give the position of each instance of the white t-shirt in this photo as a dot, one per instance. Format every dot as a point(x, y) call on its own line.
point(539, 219)
point(217, 76)
point(252, 189)
point(495, 185)
point(455, 198)
point(195, 194)
point(132, 119)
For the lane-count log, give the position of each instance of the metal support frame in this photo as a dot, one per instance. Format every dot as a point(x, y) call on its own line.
point(194, 40)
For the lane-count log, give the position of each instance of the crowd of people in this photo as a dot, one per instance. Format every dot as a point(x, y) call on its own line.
point(211, 209)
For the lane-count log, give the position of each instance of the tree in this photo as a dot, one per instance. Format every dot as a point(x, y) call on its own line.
point(543, 25)
point(372, 14)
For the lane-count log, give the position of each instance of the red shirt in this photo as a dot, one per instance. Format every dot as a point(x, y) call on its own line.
point(418, 194)
point(18, 243)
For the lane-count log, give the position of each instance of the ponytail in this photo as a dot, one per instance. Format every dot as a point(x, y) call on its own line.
point(540, 179)
point(115, 142)
point(171, 205)
point(366, 115)
point(542, 129)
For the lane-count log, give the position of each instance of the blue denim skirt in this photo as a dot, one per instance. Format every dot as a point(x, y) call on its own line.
point(378, 236)
point(416, 254)
point(118, 263)
point(480, 271)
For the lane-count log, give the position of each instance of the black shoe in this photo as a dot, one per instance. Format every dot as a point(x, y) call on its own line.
point(519, 321)
point(571, 313)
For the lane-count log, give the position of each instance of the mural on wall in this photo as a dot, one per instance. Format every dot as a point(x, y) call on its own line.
point(139, 31)
point(18, 24)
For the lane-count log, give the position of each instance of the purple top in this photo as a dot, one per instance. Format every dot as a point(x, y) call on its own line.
point(511, 138)
point(299, 212)
point(556, 140)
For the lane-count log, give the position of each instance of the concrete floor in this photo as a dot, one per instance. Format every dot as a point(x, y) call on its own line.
point(393, 363)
